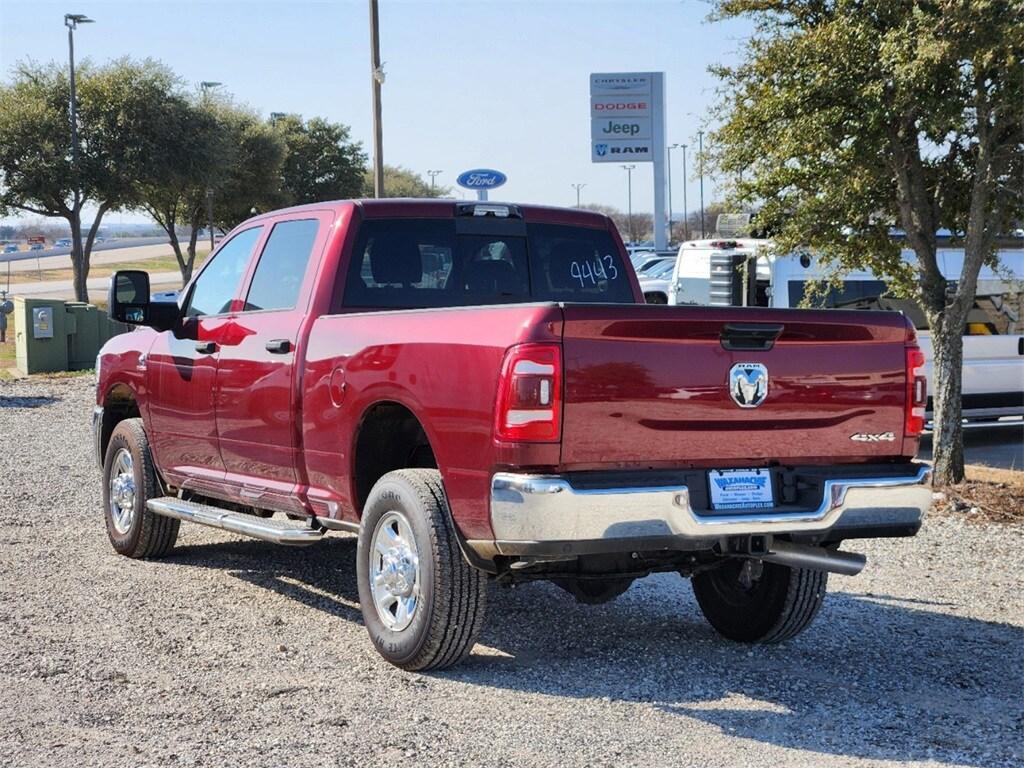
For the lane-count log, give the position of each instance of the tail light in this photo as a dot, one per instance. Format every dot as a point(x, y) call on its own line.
point(917, 392)
point(530, 394)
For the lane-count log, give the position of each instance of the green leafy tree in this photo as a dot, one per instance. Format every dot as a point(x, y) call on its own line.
point(122, 107)
point(194, 152)
point(402, 182)
point(251, 181)
point(846, 118)
point(217, 156)
point(322, 161)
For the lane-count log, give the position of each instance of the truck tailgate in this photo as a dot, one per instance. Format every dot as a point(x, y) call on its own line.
point(649, 386)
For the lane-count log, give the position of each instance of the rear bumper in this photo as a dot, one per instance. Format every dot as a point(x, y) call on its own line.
point(545, 515)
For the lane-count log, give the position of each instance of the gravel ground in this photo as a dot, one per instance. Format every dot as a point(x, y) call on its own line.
point(234, 652)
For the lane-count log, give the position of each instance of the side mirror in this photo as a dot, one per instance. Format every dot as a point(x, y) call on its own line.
point(129, 302)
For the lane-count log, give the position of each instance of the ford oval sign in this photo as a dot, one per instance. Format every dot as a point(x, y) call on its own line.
point(481, 178)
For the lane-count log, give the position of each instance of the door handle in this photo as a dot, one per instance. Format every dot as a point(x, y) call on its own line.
point(206, 347)
point(279, 346)
point(1020, 346)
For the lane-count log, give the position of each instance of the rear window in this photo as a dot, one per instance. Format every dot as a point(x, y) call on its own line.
point(413, 263)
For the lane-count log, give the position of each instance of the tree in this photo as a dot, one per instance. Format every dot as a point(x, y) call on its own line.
point(643, 223)
point(121, 107)
point(251, 182)
point(401, 182)
point(214, 154)
point(850, 117)
point(194, 151)
point(322, 161)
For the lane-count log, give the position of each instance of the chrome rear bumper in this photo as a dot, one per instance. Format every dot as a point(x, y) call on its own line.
point(546, 514)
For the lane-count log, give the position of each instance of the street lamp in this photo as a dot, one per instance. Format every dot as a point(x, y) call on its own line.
point(578, 187)
point(686, 208)
point(629, 187)
point(71, 21)
point(433, 175)
point(670, 148)
point(700, 160)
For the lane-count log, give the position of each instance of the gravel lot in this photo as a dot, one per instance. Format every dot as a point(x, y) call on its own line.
point(233, 652)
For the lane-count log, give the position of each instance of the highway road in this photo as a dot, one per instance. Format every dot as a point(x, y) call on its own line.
point(111, 245)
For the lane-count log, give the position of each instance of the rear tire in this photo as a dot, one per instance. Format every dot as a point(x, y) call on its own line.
point(422, 603)
point(129, 481)
point(779, 605)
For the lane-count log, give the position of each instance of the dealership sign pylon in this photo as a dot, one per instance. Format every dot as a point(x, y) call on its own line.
point(627, 125)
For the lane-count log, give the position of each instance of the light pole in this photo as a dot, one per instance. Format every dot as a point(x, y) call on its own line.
point(206, 86)
point(578, 187)
point(376, 80)
point(433, 175)
point(629, 188)
point(670, 148)
point(700, 160)
point(686, 211)
point(71, 21)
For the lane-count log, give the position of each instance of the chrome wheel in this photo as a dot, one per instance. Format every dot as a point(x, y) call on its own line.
point(394, 572)
point(122, 491)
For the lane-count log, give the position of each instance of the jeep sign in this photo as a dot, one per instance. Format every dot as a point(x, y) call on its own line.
point(620, 128)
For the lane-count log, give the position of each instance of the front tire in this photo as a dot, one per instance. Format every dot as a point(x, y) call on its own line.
point(422, 603)
point(129, 481)
point(777, 606)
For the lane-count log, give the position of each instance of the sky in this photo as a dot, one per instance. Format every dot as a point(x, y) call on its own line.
point(469, 84)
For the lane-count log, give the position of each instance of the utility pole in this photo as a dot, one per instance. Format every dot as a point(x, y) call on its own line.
point(577, 187)
point(433, 175)
point(206, 86)
point(700, 160)
point(686, 211)
point(71, 21)
point(377, 79)
point(670, 148)
point(629, 188)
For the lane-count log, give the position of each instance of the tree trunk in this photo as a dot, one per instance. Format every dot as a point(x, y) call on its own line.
point(79, 261)
point(947, 367)
point(193, 237)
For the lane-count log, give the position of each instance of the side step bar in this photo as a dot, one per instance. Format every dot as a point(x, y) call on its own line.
point(236, 522)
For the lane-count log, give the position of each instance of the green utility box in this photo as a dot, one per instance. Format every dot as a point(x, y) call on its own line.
point(53, 335)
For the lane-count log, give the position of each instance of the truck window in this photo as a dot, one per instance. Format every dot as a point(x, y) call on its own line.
point(282, 265)
point(217, 284)
point(418, 263)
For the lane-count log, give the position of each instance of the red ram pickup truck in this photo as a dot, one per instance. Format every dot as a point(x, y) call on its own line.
point(478, 391)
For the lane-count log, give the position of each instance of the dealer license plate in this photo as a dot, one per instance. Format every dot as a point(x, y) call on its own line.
point(741, 488)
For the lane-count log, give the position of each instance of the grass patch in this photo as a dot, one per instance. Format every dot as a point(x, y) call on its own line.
point(167, 263)
point(7, 349)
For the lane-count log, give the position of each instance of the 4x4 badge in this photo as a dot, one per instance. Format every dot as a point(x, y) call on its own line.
point(748, 384)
